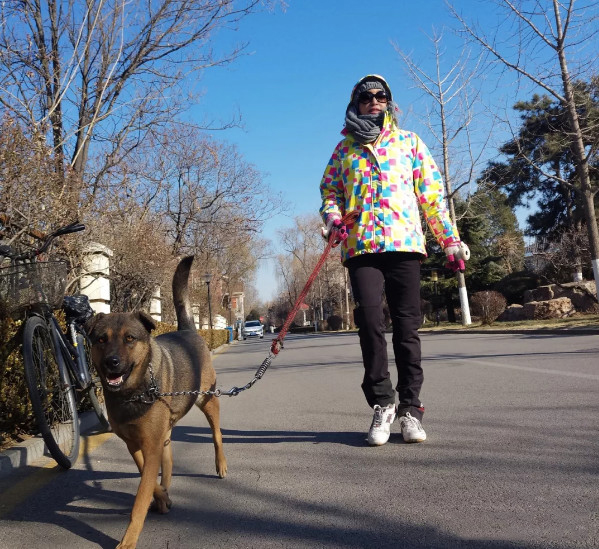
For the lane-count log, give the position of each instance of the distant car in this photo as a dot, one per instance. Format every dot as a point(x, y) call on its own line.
point(252, 328)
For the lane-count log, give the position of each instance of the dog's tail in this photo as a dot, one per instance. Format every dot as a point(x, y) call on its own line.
point(181, 295)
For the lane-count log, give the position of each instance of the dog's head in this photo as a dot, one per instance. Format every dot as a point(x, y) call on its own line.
point(120, 348)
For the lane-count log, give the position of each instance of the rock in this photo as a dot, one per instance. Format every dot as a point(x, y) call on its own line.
point(542, 293)
point(584, 285)
point(583, 295)
point(512, 313)
point(554, 301)
point(553, 308)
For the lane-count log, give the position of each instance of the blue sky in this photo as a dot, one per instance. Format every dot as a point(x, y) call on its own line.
point(293, 88)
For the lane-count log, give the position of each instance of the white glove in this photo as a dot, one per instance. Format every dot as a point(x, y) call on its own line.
point(334, 223)
point(457, 253)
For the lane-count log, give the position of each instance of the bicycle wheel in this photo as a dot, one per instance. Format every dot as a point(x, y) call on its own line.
point(51, 393)
point(95, 393)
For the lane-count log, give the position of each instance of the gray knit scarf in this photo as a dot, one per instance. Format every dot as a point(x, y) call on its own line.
point(366, 127)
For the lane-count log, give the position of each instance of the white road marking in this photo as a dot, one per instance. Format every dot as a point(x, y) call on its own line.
point(535, 370)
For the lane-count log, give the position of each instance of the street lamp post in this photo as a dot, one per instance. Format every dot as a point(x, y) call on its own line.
point(207, 277)
point(435, 279)
point(229, 300)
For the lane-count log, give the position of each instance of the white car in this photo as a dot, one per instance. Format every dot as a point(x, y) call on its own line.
point(252, 328)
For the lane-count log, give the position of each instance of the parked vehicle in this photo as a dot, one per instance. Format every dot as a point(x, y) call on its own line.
point(252, 328)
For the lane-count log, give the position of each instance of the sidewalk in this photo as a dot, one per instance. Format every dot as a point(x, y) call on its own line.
point(29, 451)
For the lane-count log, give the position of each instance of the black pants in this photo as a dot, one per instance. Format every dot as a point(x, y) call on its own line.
point(397, 274)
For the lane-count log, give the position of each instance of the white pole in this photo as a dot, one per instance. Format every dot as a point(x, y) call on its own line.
point(466, 320)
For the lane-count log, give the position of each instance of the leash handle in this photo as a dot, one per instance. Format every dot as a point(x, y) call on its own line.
point(339, 233)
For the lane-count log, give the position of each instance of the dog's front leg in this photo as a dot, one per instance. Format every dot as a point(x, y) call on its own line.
point(162, 502)
point(152, 456)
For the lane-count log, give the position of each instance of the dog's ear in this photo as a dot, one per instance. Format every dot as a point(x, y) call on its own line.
point(91, 323)
point(148, 322)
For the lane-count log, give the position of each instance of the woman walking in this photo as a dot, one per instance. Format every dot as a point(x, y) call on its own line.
point(386, 175)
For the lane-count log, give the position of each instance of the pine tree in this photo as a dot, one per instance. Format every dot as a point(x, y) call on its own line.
point(541, 156)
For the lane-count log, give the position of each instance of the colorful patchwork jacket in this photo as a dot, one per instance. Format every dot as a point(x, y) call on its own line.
point(385, 182)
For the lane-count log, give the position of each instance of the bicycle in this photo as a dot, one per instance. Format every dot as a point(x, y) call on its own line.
point(58, 368)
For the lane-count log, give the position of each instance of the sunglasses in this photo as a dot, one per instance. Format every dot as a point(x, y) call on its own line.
point(366, 97)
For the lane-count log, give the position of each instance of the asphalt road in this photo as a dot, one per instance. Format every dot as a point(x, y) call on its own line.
point(511, 459)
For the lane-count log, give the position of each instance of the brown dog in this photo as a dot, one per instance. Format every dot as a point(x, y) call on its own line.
point(128, 360)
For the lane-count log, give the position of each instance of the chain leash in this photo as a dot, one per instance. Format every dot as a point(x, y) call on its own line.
point(152, 393)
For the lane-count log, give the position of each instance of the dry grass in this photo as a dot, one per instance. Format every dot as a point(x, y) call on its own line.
point(575, 321)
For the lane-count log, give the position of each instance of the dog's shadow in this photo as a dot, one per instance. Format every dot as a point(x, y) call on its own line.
point(185, 433)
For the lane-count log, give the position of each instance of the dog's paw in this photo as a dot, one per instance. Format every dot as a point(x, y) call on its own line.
point(160, 506)
point(221, 468)
point(161, 503)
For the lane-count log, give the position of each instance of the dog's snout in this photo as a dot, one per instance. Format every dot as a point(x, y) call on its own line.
point(112, 362)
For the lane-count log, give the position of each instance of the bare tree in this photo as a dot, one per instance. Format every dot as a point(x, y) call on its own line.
point(209, 195)
point(453, 95)
point(199, 196)
point(552, 257)
point(550, 46)
point(106, 71)
point(31, 193)
point(303, 246)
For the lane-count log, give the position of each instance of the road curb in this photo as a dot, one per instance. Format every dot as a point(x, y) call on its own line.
point(222, 347)
point(29, 451)
point(541, 331)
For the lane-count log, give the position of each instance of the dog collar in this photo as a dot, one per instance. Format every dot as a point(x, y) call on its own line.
point(151, 394)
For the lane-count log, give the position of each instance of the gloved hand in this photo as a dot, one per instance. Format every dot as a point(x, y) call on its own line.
point(334, 224)
point(457, 253)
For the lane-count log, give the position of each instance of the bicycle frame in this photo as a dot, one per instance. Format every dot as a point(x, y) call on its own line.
point(71, 356)
point(56, 363)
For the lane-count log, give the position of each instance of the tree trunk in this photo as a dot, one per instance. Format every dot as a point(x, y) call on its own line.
point(582, 166)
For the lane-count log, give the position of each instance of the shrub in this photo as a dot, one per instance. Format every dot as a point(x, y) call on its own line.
point(301, 329)
point(514, 285)
point(335, 322)
point(213, 338)
point(16, 415)
point(487, 305)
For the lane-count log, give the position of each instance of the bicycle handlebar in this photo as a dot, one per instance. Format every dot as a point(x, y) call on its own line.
point(67, 229)
point(74, 227)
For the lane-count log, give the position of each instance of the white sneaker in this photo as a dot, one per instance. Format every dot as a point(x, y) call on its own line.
point(411, 429)
point(381, 425)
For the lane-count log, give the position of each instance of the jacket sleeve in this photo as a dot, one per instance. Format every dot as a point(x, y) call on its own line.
point(331, 188)
point(430, 191)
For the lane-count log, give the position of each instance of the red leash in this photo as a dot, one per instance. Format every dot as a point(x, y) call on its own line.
point(277, 344)
point(333, 242)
